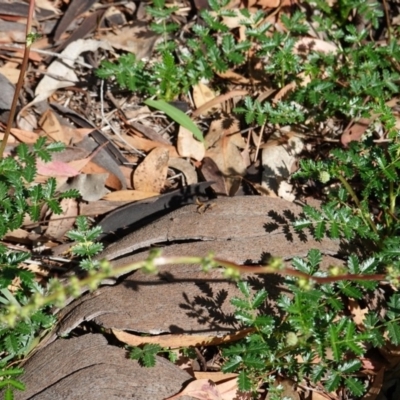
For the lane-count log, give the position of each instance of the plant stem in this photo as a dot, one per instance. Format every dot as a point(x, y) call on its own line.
point(21, 77)
point(350, 190)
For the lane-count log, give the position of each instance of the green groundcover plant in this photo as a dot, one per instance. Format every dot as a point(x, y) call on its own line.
point(312, 337)
point(20, 196)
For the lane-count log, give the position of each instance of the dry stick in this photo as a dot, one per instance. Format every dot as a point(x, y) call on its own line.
point(21, 77)
point(387, 18)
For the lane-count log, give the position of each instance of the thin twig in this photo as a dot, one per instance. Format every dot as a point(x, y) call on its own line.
point(28, 44)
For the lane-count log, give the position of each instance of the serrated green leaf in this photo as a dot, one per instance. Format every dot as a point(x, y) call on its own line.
point(244, 288)
point(70, 194)
point(11, 344)
point(259, 298)
point(54, 205)
point(350, 290)
point(244, 317)
point(355, 386)
point(393, 329)
point(149, 359)
point(266, 323)
point(253, 362)
point(318, 372)
point(11, 372)
point(244, 382)
point(240, 303)
point(9, 394)
point(17, 384)
point(320, 229)
point(232, 364)
point(55, 147)
point(135, 353)
point(177, 115)
point(332, 382)
point(302, 224)
point(350, 366)
point(334, 338)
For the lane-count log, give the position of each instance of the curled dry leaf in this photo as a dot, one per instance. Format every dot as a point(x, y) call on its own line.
point(188, 146)
point(64, 68)
point(150, 175)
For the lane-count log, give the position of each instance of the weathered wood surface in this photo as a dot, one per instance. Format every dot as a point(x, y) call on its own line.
point(227, 219)
point(180, 299)
point(87, 367)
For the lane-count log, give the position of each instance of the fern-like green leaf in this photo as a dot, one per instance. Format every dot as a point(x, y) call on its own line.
point(350, 366)
point(393, 329)
point(259, 298)
point(332, 382)
point(232, 364)
point(355, 386)
point(244, 383)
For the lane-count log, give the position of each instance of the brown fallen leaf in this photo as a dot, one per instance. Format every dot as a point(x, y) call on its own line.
point(147, 145)
point(112, 181)
point(222, 143)
point(136, 38)
point(56, 169)
point(129, 195)
point(202, 94)
point(24, 136)
point(60, 224)
point(64, 68)
point(354, 132)
point(215, 376)
point(188, 146)
point(211, 173)
point(150, 175)
point(205, 389)
point(52, 127)
point(279, 160)
point(186, 168)
point(358, 314)
point(11, 73)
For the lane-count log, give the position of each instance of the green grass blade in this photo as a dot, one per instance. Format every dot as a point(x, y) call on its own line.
point(177, 115)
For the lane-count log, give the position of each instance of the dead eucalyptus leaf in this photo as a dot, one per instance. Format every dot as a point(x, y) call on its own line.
point(150, 175)
point(222, 143)
point(203, 94)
